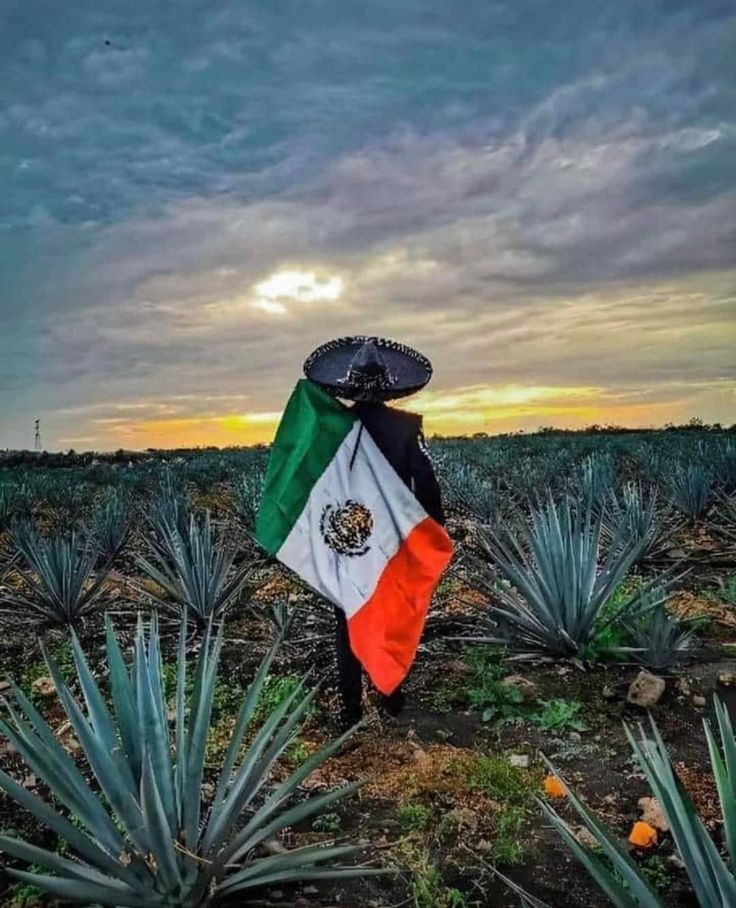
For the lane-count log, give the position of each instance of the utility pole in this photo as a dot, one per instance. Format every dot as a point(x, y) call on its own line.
point(37, 438)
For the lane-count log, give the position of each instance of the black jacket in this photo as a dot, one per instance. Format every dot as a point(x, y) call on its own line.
point(399, 436)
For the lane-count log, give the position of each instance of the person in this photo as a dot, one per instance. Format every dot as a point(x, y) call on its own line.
point(365, 372)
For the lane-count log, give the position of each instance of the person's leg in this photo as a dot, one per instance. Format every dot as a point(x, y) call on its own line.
point(349, 673)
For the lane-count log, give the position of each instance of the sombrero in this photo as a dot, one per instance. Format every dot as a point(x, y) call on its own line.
point(368, 368)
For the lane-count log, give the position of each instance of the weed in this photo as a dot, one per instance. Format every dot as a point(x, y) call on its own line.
point(427, 887)
point(509, 844)
point(413, 817)
point(727, 592)
point(297, 752)
point(497, 778)
point(484, 690)
point(658, 872)
point(327, 822)
point(276, 689)
point(26, 895)
point(559, 715)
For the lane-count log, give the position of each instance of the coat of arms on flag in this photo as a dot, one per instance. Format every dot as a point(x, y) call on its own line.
point(335, 511)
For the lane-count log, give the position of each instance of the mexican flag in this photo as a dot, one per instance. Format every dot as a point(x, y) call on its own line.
point(335, 511)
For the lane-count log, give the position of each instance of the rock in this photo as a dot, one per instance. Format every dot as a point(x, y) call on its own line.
point(463, 818)
point(521, 761)
point(608, 693)
point(30, 781)
point(421, 756)
point(44, 687)
point(699, 700)
point(683, 685)
point(4, 686)
point(652, 813)
point(726, 679)
point(528, 689)
point(646, 690)
point(575, 736)
point(458, 667)
point(585, 837)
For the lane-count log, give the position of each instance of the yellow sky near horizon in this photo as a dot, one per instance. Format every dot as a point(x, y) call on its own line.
point(461, 411)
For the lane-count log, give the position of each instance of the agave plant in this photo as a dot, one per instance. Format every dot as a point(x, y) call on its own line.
point(713, 880)
point(690, 488)
point(557, 586)
point(111, 527)
point(247, 497)
point(596, 479)
point(195, 569)
point(146, 839)
point(471, 493)
point(168, 508)
point(634, 516)
point(61, 582)
point(658, 640)
point(13, 499)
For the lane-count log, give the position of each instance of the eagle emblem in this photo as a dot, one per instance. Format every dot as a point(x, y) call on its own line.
point(346, 528)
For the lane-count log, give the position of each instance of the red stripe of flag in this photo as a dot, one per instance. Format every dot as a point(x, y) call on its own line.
point(385, 632)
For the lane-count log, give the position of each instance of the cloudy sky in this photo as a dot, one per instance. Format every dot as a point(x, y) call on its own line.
point(541, 196)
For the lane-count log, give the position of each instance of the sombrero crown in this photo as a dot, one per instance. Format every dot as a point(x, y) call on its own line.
point(368, 368)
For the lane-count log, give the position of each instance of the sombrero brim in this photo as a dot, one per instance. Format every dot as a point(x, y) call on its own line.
point(329, 366)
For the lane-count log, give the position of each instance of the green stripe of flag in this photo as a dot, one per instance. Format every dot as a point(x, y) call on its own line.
point(313, 427)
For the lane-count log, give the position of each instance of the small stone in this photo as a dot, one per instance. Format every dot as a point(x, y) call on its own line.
point(575, 736)
point(277, 894)
point(726, 679)
point(420, 755)
point(608, 693)
point(683, 685)
point(521, 761)
point(30, 781)
point(44, 686)
point(4, 686)
point(652, 813)
point(646, 690)
point(528, 689)
point(463, 818)
point(442, 734)
point(310, 890)
point(699, 700)
point(585, 837)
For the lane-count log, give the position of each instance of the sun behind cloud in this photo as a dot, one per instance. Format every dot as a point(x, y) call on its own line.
point(275, 293)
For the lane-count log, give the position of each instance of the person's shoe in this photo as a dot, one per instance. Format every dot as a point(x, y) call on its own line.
point(348, 717)
point(394, 703)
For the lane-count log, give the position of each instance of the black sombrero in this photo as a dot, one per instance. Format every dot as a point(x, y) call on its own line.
point(368, 368)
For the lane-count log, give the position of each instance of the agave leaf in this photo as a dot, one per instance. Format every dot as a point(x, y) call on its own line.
point(614, 888)
point(256, 765)
point(159, 829)
point(724, 771)
point(298, 813)
point(93, 893)
point(51, 860)
point(245, 717)
point(124, 701)
point(268, 870)
point(710, 878)
point(51, 762)
point(81, 843)
point(240, 843)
